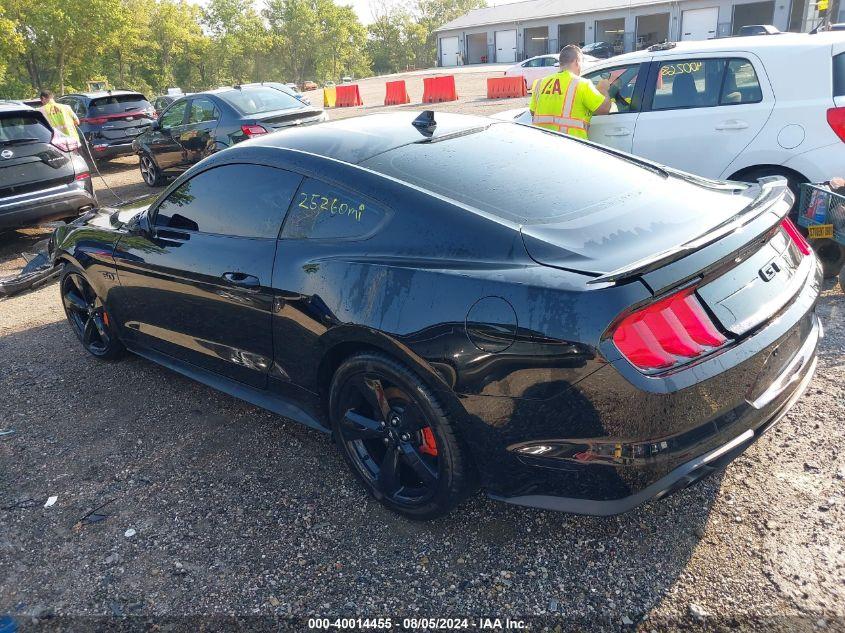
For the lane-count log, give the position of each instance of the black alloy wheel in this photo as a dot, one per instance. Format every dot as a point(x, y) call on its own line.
point(150, 171)
point(88, 317)
point(395, 436)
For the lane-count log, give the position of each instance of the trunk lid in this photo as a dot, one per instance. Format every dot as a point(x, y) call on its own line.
point(731, 244)
point(639, 226)
point(118, 117)
point(285, 118)
point(28, 162)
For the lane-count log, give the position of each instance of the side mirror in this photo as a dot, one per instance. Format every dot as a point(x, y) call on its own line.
point(140, 225)
point(155, 125)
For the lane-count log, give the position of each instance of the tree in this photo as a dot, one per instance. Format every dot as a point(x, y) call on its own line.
point(316, 39)
point(387, 42)
point(174, 30)
point(57, 38)
point(11, 44)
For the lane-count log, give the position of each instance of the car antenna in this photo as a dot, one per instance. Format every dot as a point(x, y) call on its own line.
point(425, 122)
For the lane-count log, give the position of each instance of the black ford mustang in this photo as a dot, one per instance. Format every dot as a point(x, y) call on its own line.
point(464, 301)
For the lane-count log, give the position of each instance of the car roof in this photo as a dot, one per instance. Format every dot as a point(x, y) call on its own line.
point(103, 93)
point(14, 106)
point(794, 42)
point(357, 139)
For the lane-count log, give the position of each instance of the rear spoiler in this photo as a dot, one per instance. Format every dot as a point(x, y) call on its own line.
point(774, 196)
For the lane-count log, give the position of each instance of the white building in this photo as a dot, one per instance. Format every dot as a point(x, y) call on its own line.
point(513, 32)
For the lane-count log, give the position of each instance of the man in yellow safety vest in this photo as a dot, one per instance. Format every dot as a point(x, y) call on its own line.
point(61, 117)
point(565, 102)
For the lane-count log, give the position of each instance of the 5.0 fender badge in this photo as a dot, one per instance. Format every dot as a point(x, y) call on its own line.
point(6, 153)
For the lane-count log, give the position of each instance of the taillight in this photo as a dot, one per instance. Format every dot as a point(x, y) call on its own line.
point(64, 143)
point(667, 333)
point(253, 130)
point(836, 121)
point(795, 235)
point(97, 120)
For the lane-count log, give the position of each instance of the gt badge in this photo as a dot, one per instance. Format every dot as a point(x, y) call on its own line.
point(768, 272)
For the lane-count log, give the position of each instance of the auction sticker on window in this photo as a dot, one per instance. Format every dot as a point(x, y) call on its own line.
point(323, 211)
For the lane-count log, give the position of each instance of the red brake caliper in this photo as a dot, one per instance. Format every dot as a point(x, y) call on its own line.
point(429, 445)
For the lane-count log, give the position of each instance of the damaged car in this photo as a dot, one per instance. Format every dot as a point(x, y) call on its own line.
point(583, 342)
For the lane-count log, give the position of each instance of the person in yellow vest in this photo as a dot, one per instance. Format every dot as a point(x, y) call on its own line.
point(565, 101)
point(61, 117)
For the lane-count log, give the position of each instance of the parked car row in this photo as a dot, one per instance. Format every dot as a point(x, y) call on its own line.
point(44, 177)
point(195, 126)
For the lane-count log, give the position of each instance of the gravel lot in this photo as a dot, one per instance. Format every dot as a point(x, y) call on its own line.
point(176, 500)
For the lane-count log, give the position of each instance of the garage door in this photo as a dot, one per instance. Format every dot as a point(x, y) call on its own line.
point(450, 51)
point(699, 24)
point(506, 46)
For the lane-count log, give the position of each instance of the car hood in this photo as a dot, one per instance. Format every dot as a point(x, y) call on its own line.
point(633, 225)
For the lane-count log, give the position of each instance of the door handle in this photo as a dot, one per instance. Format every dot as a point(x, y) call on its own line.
point(732, 124)
point(241, 280)
point(618, 131)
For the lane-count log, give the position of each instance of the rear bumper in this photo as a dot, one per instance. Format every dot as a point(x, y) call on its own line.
point(111, 149)
point(610, 442)
point(775, 401)
point(43, 206)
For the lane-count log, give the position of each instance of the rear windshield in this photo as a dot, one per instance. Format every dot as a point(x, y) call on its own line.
point(517, 172)
point(839, 75)
point(23, 126)
point(259, 99)
point(117, 104)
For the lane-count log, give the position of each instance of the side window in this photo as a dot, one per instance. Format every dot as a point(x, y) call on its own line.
point(323, 211)
point(214, 201)
point(741, 84)
point(619, 83)
point(174, 115)
point(74, 104)
point(549, 61)
point(534, 63)
point(202, 110)
point(839, 75)
point(688, 83)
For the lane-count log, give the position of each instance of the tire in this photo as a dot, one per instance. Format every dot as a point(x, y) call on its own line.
point(87, 315)
point(397, 438)
point(831, 255)
point(149, 171)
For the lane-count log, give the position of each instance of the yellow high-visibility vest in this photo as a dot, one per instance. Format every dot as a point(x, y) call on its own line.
point(61, 117)
point(564, 102)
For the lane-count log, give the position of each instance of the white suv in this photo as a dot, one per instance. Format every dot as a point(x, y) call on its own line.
point(736, 108)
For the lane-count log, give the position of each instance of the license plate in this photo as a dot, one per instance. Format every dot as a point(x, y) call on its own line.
point(819, 231)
